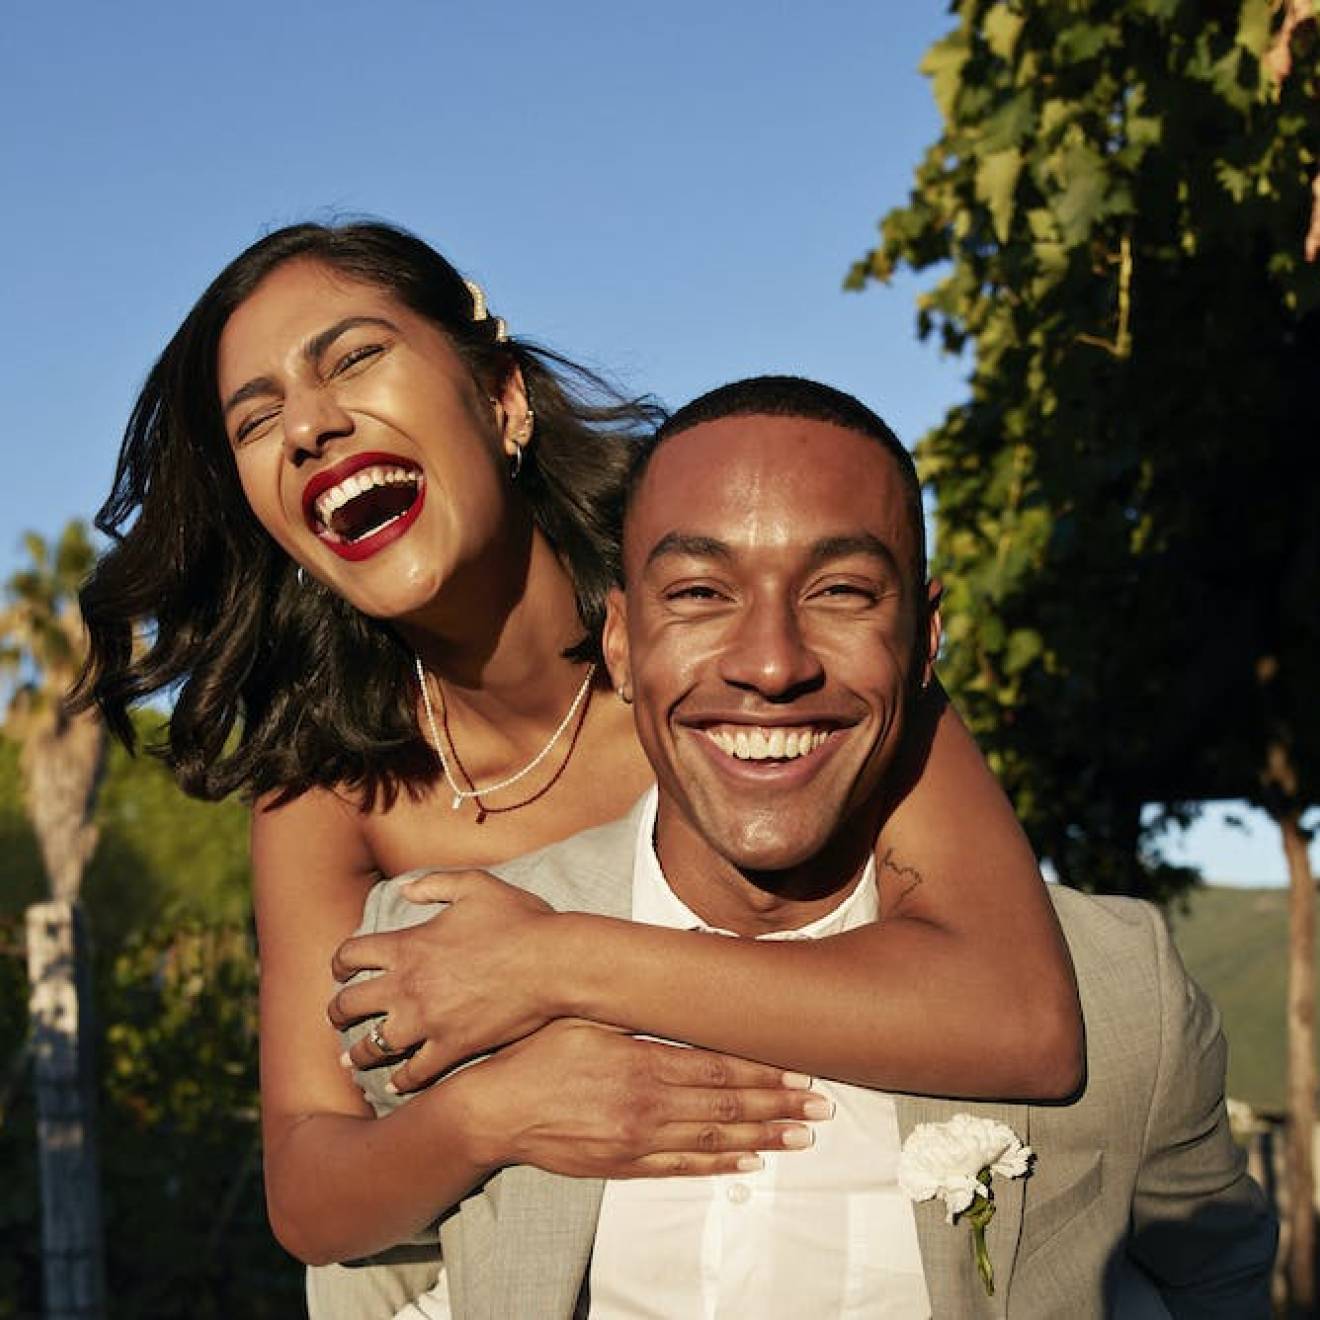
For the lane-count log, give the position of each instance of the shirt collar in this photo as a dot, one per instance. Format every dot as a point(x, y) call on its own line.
point(656, 904)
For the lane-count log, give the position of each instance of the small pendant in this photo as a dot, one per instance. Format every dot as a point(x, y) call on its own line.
point(456, 803)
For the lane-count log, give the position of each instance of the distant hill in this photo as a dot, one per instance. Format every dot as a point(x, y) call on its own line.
point(1235, 943)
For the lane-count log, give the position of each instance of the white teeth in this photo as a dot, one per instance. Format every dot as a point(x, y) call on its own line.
point(766, 744)
point(334, 499)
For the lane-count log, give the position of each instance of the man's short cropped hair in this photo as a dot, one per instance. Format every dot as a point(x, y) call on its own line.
point(793, 396)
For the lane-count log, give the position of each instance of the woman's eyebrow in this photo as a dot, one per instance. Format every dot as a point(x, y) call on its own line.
point(317, 344)
point(312, 350)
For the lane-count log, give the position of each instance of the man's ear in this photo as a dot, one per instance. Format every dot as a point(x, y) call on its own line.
point(934, 629)
point(614, 643)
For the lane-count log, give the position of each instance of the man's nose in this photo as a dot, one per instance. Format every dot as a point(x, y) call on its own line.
point(312, 416)
point(768, 653)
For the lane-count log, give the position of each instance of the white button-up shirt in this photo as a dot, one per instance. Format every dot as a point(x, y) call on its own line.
point(821, 1232)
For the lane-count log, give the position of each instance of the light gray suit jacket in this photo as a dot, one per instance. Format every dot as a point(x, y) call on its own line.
point(1138, 1203)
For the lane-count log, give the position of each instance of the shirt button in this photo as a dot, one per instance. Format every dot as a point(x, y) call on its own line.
point(739, 1193)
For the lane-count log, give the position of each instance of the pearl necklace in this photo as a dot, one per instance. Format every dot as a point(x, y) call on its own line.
point(462, 794)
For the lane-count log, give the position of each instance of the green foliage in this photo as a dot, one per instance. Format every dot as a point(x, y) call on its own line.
point(162, 857)
point(186, 1231)
point(1126, 514)
point(186, 1225)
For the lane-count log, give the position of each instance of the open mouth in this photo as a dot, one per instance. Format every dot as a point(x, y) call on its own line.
point(364, 503)
point(755, 743)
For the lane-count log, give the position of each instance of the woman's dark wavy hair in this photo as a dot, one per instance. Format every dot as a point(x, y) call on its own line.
point(280, 687)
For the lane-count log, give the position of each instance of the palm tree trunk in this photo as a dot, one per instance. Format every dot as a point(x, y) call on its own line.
point(72, 1257)
point(61, 766)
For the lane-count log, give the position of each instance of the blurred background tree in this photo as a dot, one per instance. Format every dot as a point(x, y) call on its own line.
point(60, 761)
point(1121, 204)
point(174, 975)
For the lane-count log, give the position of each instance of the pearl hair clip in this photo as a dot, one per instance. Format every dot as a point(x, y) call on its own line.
point(481, 313)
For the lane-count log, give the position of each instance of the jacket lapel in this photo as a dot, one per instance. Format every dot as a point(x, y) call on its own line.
point(526, 1239)
point(952, 1279)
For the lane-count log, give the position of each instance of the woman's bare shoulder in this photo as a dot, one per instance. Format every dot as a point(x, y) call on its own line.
point(318, 835)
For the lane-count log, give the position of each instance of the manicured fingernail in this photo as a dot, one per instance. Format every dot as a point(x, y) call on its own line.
point(818, 1107)
point(797, 1138)
point(750, 1163)
point(796, 1081)
point(391, 1088)
point(345, 1062)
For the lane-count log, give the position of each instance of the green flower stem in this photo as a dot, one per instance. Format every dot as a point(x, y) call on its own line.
point(978, 1215)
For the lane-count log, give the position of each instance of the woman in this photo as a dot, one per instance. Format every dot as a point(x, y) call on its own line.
point(374, 535)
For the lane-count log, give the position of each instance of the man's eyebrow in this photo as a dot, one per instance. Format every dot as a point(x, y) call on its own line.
point(685, 543)
point(856, 543)
point(312, 350)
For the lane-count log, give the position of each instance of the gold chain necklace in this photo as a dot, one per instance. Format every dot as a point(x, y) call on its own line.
point(462, 794)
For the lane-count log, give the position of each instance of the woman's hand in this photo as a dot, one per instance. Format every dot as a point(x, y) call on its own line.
point(466, 981)
point(588, 1101)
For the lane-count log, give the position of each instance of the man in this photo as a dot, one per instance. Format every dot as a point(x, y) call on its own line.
point(774, 628)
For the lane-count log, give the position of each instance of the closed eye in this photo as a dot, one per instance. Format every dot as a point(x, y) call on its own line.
point(249, 426)
point(848, 591)
point(695, 591)
point(355, 356)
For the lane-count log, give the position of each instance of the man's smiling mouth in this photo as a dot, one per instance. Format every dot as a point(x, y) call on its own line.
point(756, 743)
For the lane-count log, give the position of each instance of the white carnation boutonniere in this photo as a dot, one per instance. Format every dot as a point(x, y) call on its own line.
point(955, 1161)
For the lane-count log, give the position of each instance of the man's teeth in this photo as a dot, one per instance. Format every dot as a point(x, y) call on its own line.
point(752, 744)
point(365, 479)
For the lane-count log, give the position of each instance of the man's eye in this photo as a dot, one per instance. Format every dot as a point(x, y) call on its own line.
point(849, 592)
point(694, 591)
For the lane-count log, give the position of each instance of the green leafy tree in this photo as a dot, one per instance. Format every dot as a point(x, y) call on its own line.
point(182, 1152)
point(1119, 202)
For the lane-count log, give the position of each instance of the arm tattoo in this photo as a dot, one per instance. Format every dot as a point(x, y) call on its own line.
point(905, 880)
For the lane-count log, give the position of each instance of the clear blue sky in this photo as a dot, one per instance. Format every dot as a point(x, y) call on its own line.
point(672, 193)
